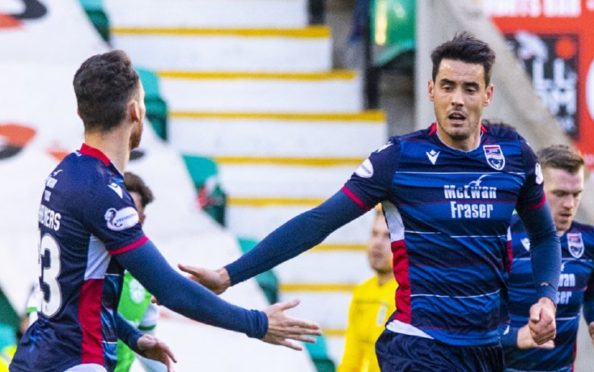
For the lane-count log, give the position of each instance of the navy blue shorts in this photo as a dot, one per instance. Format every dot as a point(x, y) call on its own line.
point(402, 353)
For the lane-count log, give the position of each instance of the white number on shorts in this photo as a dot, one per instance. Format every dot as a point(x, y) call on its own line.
point(50, 274)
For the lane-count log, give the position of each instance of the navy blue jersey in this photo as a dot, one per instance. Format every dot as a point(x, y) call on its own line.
point(448, 212)
point(577, 278)
point(86, 216)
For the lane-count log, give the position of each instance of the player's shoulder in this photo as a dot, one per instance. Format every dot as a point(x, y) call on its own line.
point(583, 228)
point(366, 285)
point(501, 131)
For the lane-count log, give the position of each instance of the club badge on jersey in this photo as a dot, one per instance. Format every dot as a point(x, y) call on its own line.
point(495, 157)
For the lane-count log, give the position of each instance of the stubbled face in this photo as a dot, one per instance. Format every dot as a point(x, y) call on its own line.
point(459, 95)
point(138, 203)
point(136, 135)
point(564, 193)
point(379, 252)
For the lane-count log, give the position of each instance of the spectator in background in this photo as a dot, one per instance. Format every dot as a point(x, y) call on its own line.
point(135, 302)
point(563, 171)
point(372, 303)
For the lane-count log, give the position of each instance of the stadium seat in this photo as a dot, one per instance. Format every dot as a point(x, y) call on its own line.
point(97, 16)
point(8, 315)
point(318, 353)
point(266, 280)
point(156, 107)
point(211, 197)
point(392, 32)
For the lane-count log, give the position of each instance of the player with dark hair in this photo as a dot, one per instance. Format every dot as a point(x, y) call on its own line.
point(563, 171)
point(90, 232)
point(448, 194)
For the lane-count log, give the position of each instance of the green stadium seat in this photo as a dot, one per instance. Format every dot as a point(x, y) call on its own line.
point(318, 352)
point(392, 32)
point(97, 16)
point(211, 197)
point(266, 280)
point(9, 322)
point(156, 107)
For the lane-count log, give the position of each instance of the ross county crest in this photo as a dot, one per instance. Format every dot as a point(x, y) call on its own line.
point(494, 156)
point(575, 244)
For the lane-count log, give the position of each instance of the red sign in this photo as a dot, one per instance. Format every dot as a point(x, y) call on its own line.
point(554, 39)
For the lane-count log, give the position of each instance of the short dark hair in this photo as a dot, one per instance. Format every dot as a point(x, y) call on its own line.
point(466, 48)
point(134, 183)
point(561, 157)
point(103, 85)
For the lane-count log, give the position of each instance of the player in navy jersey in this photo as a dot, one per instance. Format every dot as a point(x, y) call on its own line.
point(563, 171)
point(90, 233)
point(448, 194)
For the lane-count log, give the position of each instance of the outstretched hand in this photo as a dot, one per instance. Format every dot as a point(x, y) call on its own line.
point(152, 348)
point(525, 340)
point(542, 323)
point(282, 328)
point(216, 280)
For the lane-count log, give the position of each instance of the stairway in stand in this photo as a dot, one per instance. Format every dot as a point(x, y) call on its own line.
point(250, 84)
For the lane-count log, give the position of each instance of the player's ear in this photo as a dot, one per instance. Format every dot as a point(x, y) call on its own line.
point(489, 94)
point(133, 110)
point(430, 90)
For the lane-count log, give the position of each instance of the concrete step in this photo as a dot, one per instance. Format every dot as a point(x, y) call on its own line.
point(227, 49)
point(331, 135)
point(206, 13)
point(329, 308)
point(314, 267)
point(258, 220)
point(281, 180)
point(335, 91)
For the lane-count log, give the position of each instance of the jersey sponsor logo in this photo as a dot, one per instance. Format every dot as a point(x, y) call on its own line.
point(122, 219)
point(566, 281)
point(538, 172)
point(365, 170)
point(474, 190)
point(432, 155)
point(49, 218)
point(494, 156)
point(117, 189)
point(575, 244)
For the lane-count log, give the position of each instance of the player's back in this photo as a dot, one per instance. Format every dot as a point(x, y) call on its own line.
point(79, 280)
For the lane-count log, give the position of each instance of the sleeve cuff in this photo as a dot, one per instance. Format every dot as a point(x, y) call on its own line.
point(510, 339)
point(549, 292)
point(260, 325)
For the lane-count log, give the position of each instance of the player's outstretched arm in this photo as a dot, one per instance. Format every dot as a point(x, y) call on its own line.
point(280, 326)
point(152, 348)
point(541, 323)
point(545, 255)
point(292, 238)
point(522, 339)
point(191, 299)
point(144, 344)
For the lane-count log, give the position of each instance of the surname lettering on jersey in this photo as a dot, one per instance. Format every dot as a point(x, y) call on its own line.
point(49, 218)
point(471, 191)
